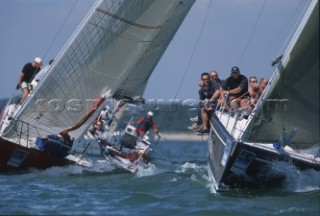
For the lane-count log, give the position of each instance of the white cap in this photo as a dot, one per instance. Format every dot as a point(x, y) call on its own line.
point(38, 60)
point(150, 113)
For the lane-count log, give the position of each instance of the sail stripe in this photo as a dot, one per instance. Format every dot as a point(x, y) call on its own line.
point(94, 107)
point(127, 21)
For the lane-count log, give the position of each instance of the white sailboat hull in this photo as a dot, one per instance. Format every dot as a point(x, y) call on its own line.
point(284, 126)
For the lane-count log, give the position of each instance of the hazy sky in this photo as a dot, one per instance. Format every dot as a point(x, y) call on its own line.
point(216, 35)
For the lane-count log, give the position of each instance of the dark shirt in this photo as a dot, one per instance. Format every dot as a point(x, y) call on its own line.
point(241, 82)
point(29, 72)
point(205, 93)
point(215, 85)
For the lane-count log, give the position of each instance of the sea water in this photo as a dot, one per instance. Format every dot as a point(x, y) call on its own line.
point(175, 183)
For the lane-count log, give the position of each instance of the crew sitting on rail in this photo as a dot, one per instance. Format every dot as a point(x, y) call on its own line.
point(236, 89)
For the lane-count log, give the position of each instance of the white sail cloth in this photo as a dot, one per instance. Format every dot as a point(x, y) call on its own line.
point(113, 51)
point(291, 101)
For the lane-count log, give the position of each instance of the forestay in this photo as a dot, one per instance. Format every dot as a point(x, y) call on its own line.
point(112, 53)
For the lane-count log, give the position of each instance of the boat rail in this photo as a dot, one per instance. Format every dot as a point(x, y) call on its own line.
point(23, 126)
point(235, 121)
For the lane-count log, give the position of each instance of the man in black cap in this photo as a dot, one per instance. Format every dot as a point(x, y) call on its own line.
point(236, 87)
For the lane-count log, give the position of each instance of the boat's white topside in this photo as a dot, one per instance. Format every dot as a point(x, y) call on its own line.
point(236, 126)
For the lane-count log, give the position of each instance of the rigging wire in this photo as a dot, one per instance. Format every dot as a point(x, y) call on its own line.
point(281, 30)
point(190, 60)
point(194, 50)
point(59, 30)
point(294, 28)
point(252, 32)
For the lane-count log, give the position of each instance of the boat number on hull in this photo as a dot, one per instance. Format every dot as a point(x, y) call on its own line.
point(242, 162)
point(17, 158)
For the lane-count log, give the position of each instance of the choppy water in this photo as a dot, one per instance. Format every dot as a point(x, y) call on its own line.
point(175, 184)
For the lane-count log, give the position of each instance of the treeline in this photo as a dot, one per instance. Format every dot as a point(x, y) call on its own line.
point(170, 118)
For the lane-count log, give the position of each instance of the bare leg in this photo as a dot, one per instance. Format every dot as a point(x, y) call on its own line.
point(24, 95)
point(205, 119)
point(244, 104)
point(235, 104)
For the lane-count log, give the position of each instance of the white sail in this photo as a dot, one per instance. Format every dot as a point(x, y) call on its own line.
point(113, 51)
point(290, 104)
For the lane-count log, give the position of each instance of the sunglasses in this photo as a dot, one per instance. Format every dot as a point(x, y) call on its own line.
point(253, 81)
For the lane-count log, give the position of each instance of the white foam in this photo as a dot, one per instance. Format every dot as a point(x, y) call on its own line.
point(189, 167)
point(60, 171)
point(146, 170)
point(297, 180)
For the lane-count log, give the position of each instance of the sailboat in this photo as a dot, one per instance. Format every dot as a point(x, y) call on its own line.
point(118, 141)
point(111, 55)
point(283, 127)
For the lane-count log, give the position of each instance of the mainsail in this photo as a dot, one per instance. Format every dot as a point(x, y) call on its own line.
point(112, 53)
point(290, 104)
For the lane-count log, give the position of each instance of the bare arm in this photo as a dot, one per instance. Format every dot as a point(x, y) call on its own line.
point(222, 92)
point(233, 91)
point(215, 95)
point(20, 77)
point(236, 90)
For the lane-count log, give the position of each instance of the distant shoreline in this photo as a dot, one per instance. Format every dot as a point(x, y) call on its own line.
point(184, 137)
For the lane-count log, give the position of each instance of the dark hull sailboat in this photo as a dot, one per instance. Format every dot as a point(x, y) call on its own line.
point(283, 127)
point(15, 157)
point(236, 164)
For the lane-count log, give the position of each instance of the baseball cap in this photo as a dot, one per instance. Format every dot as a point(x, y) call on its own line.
point(38, 60)
point(235, 69)
point(150, 113)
